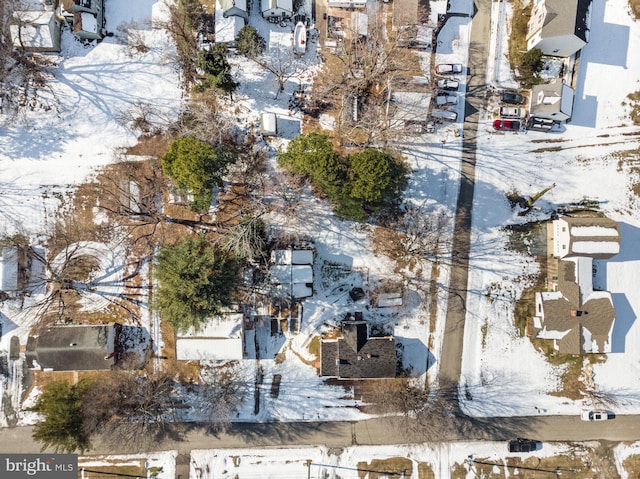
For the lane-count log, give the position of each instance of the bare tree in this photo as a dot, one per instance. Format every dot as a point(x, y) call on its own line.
point(132, 35)
point(359, 81)
point(219, 395)
point(283, 64)
point(142, 117)
point(208, 121)
point(125, 410)
point(182, 24)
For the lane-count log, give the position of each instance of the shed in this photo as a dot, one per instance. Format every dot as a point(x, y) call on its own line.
point(268, 124)
point(277, 9)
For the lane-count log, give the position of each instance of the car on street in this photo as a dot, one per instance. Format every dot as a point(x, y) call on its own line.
point(512, 98)
point(597, 415)
point(508, 125)
point(523, 445)
point(446, 84)
point(449, 68)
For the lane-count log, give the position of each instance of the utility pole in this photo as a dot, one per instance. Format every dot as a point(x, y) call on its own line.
point(308, 468)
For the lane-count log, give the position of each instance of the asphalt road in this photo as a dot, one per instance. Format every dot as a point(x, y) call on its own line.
point(451, 356)
point(371, 432)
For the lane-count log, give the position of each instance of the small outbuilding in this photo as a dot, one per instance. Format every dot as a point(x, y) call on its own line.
point(276, 10)
point(268, 124)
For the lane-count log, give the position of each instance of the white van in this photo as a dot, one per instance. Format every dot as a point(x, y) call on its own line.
point(444, 115)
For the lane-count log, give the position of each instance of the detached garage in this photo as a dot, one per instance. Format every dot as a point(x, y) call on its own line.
point(268, 124)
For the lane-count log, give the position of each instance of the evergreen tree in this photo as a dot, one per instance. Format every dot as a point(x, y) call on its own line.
point(312, 155)
point(61, 405)
point(376, 177)
point(215, 66)
point(249, 42)
point(196, 167)
point(195, 282)
point(214, 61)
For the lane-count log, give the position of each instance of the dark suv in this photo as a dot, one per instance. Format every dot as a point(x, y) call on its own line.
point(523, 445)
point(512, 97)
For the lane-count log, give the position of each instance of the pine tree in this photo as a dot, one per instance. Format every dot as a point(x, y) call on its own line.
point(376, 177)
point(249, 42)
point(196, 167)
point(195, 280)
point(61, 405)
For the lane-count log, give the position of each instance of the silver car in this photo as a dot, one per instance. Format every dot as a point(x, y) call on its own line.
point(596, 415)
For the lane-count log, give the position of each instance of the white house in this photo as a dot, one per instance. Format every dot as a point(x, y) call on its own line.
point(559, 27)
point(36, 30)
point(552, 100)
point(230, 17)
point(576, 317)
point(219, 339)
point(277, 9)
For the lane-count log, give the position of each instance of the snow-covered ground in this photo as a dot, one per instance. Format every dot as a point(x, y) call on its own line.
point(507, 376)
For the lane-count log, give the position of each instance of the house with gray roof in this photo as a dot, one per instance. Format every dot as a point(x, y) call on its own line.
point(559, 27)
point(553, 101)
point(354, 354)
point(74, 348)
point(577, 318)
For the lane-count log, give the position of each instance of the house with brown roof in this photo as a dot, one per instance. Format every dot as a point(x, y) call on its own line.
point(354, 354)
point(577, 318)
point(559, 27)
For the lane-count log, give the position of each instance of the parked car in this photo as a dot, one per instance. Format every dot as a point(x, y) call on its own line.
point(510, 125)
point(444, 115)
point(512, 112)
point(523, 445)
point(540, 124)
point(449, 68)
point(445, 98)
point(597, 415)
point(445, 84)
point(512, 98)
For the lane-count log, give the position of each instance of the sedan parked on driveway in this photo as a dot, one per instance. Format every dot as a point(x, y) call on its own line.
point(597, 415)
point(445, 84)
point(449, 68)
point(508, 125)
point(512, 98)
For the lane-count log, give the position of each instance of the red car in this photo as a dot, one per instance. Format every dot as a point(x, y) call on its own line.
point(509, 125)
